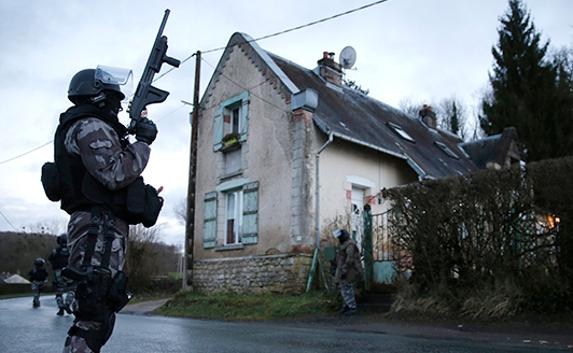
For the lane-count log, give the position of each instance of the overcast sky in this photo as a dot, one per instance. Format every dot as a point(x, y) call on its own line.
point(422, 50)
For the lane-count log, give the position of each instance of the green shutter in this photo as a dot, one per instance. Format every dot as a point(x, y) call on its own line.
point(249, 231)
point(218, 130)
point(244, 117)
point(210, 220)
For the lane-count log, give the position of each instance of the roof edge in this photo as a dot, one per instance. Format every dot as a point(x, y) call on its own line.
point(325, 129)
point(270, 63)
point(239, 38)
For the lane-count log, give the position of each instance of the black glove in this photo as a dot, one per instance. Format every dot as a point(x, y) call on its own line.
point(145, 131)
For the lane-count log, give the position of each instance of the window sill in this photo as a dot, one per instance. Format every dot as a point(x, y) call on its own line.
point(231, 146)
point(229, 247)
point(231, 175)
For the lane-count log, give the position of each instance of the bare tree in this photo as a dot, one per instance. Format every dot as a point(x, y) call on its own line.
point(180, 210)
point(410, 107)
point(452, 117)
point(52, 226)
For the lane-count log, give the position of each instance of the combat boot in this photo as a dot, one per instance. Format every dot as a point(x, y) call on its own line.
point(60, 312)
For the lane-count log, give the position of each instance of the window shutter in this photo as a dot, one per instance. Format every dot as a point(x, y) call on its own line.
point(210, 220)
point(244, 117)
point(218, 130)
point(249, 231)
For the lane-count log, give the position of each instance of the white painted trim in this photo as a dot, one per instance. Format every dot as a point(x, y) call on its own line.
point(271, 64)
point(360, 181)
point(232, 184)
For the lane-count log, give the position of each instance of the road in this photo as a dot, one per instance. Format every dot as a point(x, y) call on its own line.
point(27, 330)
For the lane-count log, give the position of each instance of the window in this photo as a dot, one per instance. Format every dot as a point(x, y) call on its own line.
point(403, 134)
point(233, 217)
point(230, 123)
point(237, 216)
point(446, 150)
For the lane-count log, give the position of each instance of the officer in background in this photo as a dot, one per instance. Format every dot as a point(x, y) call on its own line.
point(62, 285)
point(348, 270)
point(97, 179)
point(39, 277)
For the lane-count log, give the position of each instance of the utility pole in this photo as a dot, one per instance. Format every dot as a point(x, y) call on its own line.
point(190, 219)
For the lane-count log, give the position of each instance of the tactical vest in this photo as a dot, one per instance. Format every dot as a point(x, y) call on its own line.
point(68, 181)
point(59, 257)
point(72, 174)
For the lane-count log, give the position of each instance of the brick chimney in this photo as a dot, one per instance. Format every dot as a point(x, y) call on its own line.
point(330, 70)
point(428, 116)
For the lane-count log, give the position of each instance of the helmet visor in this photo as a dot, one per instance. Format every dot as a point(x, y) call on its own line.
point(116, 76)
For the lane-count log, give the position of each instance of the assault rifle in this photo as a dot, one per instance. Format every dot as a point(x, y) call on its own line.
point(147, 94)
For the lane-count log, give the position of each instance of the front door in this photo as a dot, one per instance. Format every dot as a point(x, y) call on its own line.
point(357, 206)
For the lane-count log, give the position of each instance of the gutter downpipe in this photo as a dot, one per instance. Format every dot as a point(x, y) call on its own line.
point(317, 212)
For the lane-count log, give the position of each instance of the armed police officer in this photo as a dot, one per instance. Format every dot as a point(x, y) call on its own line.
point(38, 277)
point(63, 286)
point(348, 270)
point(96, 176)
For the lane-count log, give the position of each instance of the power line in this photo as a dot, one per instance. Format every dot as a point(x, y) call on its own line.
point(8, 221)
point(49, 142)
point(25, 153)
point(279, 33)
point(304, 26)
point(245, 88)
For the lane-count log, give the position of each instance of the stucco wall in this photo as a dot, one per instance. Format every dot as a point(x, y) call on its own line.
point(343, 163)
point(266, 157)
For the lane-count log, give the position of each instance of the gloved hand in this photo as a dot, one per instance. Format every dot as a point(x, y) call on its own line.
point(145, 131)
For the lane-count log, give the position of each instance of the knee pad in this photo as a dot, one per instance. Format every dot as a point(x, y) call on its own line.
point(91, 297)
point(95, 339)
point(99, 294)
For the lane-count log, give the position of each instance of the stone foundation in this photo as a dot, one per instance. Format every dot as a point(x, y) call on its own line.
point(285, 273)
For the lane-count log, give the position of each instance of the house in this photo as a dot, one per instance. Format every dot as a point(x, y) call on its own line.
point(16, 279)
point(495, 151)
point(269, 129)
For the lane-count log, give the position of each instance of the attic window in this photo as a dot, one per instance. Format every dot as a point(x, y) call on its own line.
point(403, 134)
point(446, 150)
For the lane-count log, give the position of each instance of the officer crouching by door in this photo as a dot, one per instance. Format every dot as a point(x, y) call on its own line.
point(348, 270)
point(96, 177)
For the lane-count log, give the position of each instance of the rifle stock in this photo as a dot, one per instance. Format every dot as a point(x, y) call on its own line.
point(145, 93)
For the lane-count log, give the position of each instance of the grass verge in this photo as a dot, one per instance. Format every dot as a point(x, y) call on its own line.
point(232, 306)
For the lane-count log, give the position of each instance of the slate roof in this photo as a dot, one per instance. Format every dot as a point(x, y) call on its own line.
point(365, 121)
point(493, 148)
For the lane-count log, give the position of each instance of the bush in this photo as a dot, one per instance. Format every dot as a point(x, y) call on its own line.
point(147, 259)
point(492, 244)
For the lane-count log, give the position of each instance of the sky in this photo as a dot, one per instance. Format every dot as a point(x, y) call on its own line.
point(416, 50)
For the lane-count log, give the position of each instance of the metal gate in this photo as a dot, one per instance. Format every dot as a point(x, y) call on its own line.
point(380, 265)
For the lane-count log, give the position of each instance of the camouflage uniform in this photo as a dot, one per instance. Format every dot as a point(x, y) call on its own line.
point(38, 278)
point(62, 285)
point(348, 272)
point(115, 167)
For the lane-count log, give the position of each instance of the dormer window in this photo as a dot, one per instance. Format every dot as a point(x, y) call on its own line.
point(446, 149)
point(403, 134)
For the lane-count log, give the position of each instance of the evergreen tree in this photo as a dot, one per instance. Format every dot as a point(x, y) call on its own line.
point(454, 119)
point(524, 88)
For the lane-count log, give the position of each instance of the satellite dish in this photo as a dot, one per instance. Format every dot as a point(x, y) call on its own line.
point(347, 57)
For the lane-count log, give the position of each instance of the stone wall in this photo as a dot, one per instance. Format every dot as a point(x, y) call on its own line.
point(253, 274)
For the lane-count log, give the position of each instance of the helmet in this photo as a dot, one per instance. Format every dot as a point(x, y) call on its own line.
point(340, 233)
point(62, 239)
point(39, 262)
point(92, 82)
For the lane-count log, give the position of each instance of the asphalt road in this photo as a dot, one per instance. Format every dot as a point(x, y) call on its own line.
point(24, 329)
